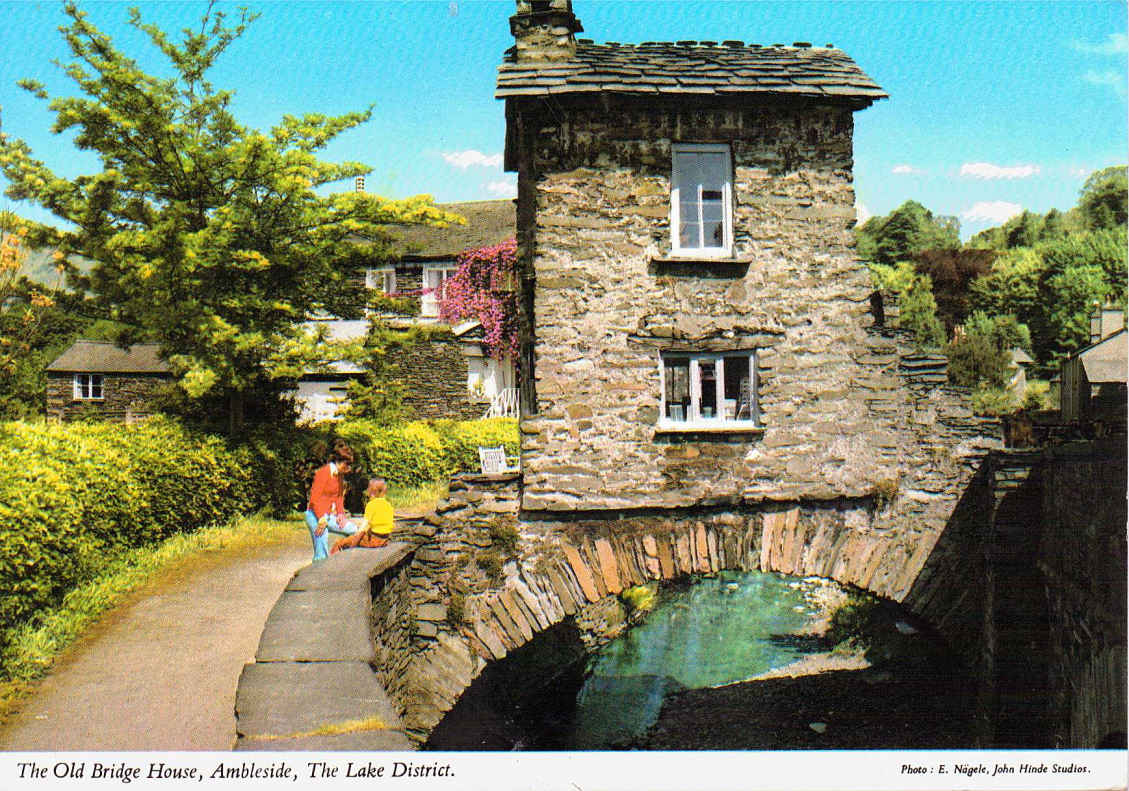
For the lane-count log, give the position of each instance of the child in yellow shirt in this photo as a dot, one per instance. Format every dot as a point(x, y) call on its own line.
point(379, 518)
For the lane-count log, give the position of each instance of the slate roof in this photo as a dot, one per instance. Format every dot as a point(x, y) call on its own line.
point(1107, 360)
point(105, 357)
point(489, 222)
point(693, 67)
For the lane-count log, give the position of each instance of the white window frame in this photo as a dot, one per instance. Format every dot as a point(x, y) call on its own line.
point(695, 421)
point(726, 250)
point(429, 303)
point(84, 386)
point(382, 280)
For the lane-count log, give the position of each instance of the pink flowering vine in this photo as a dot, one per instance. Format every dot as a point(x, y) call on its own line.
point(485, 288)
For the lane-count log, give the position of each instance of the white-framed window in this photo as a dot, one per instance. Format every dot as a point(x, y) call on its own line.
point(434, 279)
point(701, 200)
point(88, 387)
point(714, 390)
point(382, 280)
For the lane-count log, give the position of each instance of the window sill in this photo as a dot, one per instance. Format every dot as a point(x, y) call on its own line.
point(700, 266)
point(707, 430)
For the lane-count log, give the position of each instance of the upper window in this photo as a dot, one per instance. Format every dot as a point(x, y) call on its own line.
point(709, 391)
point(434, 280)
point(88, 387)
point(383, 280)
point(701, 211)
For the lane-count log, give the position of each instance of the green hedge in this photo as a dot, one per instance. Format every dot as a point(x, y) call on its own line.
point(74, 495)
point(418, 453)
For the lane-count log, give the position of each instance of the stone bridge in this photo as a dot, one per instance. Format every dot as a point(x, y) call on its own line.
point(1026, 582)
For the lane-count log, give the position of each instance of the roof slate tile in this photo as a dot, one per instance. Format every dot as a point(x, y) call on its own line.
point(690, 67)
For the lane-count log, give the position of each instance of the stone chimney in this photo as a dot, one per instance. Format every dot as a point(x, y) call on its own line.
point(543, 30)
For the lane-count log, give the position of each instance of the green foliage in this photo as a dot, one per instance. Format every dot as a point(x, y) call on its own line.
point(505, 537)
point(639, 598)
point(896, 279)
point(981, 355)
point(417, 453)
point(491, 563)
point(909, 229)
point(1039, 396)
point(1104, 198)
point(853, 620)
point(918, 313)
point(994, 401)
point(72, 496)
point(215, 238)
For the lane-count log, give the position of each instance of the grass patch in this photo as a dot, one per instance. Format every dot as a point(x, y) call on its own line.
point(417, 497)
point(35, 646)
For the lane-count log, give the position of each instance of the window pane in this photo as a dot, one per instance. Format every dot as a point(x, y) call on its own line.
point(688, 231)
point(96, 386)
point(707, 407)
point(677, 375)
point(738, 387)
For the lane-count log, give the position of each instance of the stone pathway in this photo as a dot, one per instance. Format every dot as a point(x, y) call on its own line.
point(160, 672)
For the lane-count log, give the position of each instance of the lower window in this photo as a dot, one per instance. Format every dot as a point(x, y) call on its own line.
point(709, 390)
point(88, 387)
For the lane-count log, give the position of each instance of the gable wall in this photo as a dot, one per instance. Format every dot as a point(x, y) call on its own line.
point(593, 210)
point(125, 396)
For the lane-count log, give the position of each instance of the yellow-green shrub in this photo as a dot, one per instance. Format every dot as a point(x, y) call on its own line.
point(73, 495)
point(417, 453)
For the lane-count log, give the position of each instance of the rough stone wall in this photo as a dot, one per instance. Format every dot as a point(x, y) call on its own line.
point(434, 373)
point(125, 397)
point(1082, 553)
point(594, 203)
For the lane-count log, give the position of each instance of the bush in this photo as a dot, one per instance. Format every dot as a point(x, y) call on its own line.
point(421, 452)
point(74, 496)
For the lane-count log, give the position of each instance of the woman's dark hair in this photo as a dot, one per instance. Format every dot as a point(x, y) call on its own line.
point(341, 452)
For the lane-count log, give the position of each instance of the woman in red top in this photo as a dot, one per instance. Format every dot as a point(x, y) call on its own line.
point(325, 511)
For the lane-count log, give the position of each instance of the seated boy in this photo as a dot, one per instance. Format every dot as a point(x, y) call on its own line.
point(378, 517)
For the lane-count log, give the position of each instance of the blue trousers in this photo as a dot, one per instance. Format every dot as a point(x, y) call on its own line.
point(321, 543)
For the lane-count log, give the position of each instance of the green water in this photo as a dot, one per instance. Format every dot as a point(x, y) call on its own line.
point(725, 629)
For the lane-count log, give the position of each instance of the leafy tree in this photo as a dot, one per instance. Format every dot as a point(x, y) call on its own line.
point(951, 272)
point(918, 313)
point(1025, 230)
point(213, 238)
point(909, 229)
point(981, 354)
point(1104, 198)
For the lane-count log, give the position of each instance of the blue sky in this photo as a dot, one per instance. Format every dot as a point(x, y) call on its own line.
point(995, 106)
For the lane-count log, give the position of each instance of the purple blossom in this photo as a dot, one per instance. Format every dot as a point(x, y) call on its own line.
point(484, 288)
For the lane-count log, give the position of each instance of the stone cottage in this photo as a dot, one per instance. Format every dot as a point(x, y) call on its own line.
point(694, 310)
point(447, 372)
point(99, 378)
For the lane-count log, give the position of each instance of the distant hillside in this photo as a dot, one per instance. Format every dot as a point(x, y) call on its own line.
point(39, 267)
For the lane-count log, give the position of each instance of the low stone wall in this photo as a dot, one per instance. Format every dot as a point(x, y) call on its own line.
point(311, 685)
point(434, 373)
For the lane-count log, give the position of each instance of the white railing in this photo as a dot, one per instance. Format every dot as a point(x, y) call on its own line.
point(503, 404)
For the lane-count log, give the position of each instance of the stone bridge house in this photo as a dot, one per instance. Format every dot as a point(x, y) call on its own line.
point(708, 387)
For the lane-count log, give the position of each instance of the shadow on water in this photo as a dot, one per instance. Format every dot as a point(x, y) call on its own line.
point(552, 695)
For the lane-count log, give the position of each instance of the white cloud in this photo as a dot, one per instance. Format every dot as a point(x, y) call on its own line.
point(862, 214)
point(472, 158)
point(907, 170)
point(986, 170)
point(1080, 173)
point(504, 189)
point(1114, 79)
point(1115, 44)
point(996, 211)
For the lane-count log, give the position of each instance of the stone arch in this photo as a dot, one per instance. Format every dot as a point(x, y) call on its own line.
point(568, 565)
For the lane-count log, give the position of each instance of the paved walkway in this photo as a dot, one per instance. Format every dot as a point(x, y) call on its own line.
point(159, 673)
